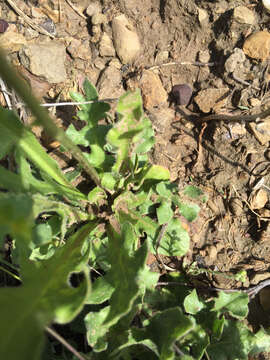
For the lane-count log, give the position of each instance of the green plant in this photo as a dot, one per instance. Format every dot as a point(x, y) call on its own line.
point(56, 241)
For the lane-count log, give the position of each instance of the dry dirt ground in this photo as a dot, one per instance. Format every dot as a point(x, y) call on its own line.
point(228, 160)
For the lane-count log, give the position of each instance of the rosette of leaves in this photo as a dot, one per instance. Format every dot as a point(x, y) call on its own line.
point(54, 238)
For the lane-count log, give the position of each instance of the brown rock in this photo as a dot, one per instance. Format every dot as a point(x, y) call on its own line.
point(106, 46)
point(11, 41)
point(211, 99)
point(236, 206)
point(93, 8)
point(243, 15)
point(79, 49)
point(98, 19)
point(211, 252)
point(257, 45)
point(237, 130)
point(39, 87)
point(162, 118)
point(126, 40)
point(203, 17)
point(258, 199)
point(261, 131)
point(109, 84)
point(162, 57)
point(153, 92)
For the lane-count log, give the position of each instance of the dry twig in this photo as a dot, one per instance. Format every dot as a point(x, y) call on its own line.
point(195, 63)
point(27, 19)
point(64, 343)
point(77, 11)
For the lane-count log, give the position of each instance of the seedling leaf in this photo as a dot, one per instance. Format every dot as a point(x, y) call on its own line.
point(125, 268)
point(239, 340)
point(192, 304)
point(132, 133)
point(236, 304)
point(167, 327)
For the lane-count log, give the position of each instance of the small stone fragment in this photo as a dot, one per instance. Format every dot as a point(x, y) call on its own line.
point(221, 7)
point(182, 94)
point(203, 56)
point(126, 40)
point(261, 131)
point(79, 49)
point(237, 130)
point(98, 19)
point(3, 26)
point(211, 99)
point(106, 46)
point(49, 26)
point(96, 30)
point(243, 15)
point(236, 206)
point(109, 84)
point(39, 87)
point(258, 199)
point(256, 278)
point(203, 17)
point(93, 8)
point(30, 34)
point(162, 57)
point(37, 13)
point(257, 45)
point(99, 63)
point(12, 41)
point(266, 4)
point(212, 253)
point(153, 93)
point(162, 118)
point(46, 60)
point(255, 102)
point(235, 60)
point(116, 63)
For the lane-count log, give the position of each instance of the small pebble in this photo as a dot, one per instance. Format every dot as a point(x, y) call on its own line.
point(182, 94)
point(3, 26)
point(49, 26)
point(266, 4)
point(236, 206)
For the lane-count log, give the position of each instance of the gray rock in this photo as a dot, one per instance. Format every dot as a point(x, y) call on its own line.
point(182, 94)
point(235, 60)
point(126, 40)
point(46, 60)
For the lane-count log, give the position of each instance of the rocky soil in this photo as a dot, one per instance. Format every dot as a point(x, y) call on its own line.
point(190, 58)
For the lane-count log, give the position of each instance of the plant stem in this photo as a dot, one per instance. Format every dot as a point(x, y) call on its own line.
point(10, 273)
point(64, 343)
point(9, 264)
point(13, 81)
